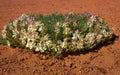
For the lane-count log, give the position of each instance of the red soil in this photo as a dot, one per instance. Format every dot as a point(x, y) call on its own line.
point(105, 61)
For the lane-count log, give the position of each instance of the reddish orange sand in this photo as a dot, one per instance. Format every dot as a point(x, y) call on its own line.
point(105, 61)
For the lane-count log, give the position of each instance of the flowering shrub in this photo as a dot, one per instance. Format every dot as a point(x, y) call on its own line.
point(56, 34)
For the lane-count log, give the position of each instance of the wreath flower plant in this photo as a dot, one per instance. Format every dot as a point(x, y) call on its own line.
point(56, 34)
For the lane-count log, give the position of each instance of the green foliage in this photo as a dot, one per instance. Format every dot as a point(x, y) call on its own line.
point(56, 34)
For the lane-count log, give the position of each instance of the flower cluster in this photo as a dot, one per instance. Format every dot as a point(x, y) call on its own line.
point(56, 33)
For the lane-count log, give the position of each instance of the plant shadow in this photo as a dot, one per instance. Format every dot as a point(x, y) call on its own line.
point(95, 49)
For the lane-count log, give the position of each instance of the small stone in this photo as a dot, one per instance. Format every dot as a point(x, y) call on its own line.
point(44, 57)
point(80, 72)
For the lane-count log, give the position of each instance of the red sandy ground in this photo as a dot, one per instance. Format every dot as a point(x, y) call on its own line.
point(106, 61)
